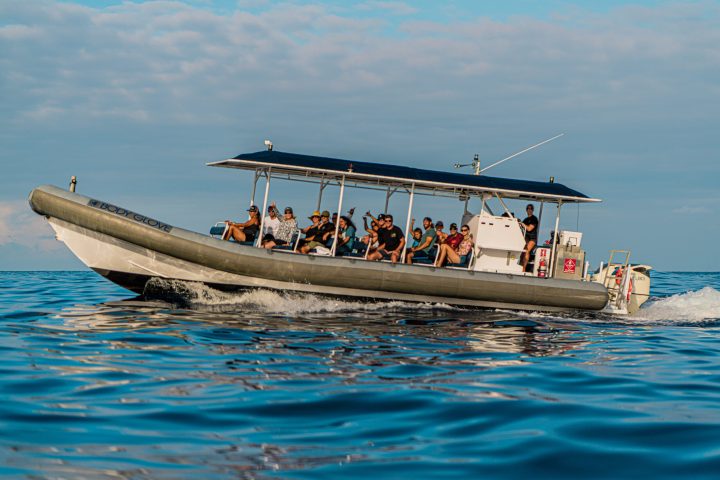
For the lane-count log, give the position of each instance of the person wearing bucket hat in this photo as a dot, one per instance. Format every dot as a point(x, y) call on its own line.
point(324, 230)
point(312, 231)
point(243, 232)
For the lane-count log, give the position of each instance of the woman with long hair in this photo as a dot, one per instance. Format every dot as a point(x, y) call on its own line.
point(459, 254)
point(244, 232)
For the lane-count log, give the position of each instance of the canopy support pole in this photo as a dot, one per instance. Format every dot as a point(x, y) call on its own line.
point(256, 175)
point(322, 187)
point(503, 204)
point(407, 223)
point(387, 197)
point(554, 240)
point(262, 212)
point(337, 223)
point(542, 204)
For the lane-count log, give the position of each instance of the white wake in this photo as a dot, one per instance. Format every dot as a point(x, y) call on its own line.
point(697, 306)
point(198, 295)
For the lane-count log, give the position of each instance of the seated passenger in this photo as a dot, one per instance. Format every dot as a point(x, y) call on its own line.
point(371, 239)
point(346, 236)
point(455, 237)
point(312, 231)
point(392, 242)
point(459, 254)
point(284, 231)
point(323, 231)
point(440, 236)
point(334, 217)
point(244, 232)
point(549, 241)
point(427, 240)
point(327, 229)
point(271, 221)
point(416, 235)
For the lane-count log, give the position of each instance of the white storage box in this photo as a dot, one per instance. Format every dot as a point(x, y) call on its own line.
point(572, 239)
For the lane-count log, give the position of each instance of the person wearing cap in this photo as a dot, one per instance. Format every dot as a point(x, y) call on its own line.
point(243, 232)
point(380, 220)
point(327, 227)
point(531, 227)
point(392, 242)
point(271, 221)
point(459, 254)
point(454, 237)
point(440, 235)
point(287, 226)
point(325, 230)
point(372, 233)
point(427, 241)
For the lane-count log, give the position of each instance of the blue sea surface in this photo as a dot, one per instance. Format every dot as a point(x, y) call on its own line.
point(204, 384)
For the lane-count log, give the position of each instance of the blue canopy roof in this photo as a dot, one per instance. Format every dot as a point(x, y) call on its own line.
point(374, 173)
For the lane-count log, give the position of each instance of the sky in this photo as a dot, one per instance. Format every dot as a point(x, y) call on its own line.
point(135, 97)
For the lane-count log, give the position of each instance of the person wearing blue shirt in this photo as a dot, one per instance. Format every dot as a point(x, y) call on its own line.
point(346, 236)
point(427, 241)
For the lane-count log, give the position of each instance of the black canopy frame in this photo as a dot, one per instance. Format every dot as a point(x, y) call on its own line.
point(377, 176)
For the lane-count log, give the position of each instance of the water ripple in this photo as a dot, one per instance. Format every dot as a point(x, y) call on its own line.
point(97, 384)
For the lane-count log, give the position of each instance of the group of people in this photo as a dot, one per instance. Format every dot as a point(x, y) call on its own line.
point(383, 239)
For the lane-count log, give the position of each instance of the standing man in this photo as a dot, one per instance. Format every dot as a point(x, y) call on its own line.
point(392, 242)
point(531, 231)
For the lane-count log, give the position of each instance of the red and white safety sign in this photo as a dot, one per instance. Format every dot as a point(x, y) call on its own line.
point(569, 265)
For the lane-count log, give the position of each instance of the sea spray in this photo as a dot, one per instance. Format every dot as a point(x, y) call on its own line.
point(694, 306)
point(197, 295)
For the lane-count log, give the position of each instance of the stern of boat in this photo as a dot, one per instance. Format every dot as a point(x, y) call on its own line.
point(628, 284)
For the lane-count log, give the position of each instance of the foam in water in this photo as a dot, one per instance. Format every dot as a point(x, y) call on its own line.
point(200, 295)
point(696, 306)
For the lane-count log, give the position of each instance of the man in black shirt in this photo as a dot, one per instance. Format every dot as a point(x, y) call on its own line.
point(531, 234)
point(391, 242)
point(321, 232)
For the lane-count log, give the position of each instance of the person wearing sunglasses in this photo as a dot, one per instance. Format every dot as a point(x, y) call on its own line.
point(287, 226)
point(531, 234)
point(448, 254)
point(392, 242)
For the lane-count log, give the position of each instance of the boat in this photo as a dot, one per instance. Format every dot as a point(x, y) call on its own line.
point(131, 248)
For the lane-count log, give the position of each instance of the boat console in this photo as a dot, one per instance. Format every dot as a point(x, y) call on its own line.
point(499, 243)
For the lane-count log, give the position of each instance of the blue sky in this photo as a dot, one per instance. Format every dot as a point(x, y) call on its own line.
point(134, 98)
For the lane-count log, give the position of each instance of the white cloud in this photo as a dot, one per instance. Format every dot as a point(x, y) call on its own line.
point(124, 91)
point(396, 8)
point(20, 226)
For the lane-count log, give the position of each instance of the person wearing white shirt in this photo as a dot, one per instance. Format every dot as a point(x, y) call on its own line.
point(271, 222)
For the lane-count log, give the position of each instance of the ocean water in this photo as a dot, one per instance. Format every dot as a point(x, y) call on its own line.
point(201, 384)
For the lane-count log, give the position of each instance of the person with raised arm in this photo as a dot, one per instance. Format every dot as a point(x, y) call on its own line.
point(392, 242)
point(427, 241)
point(284, 231)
